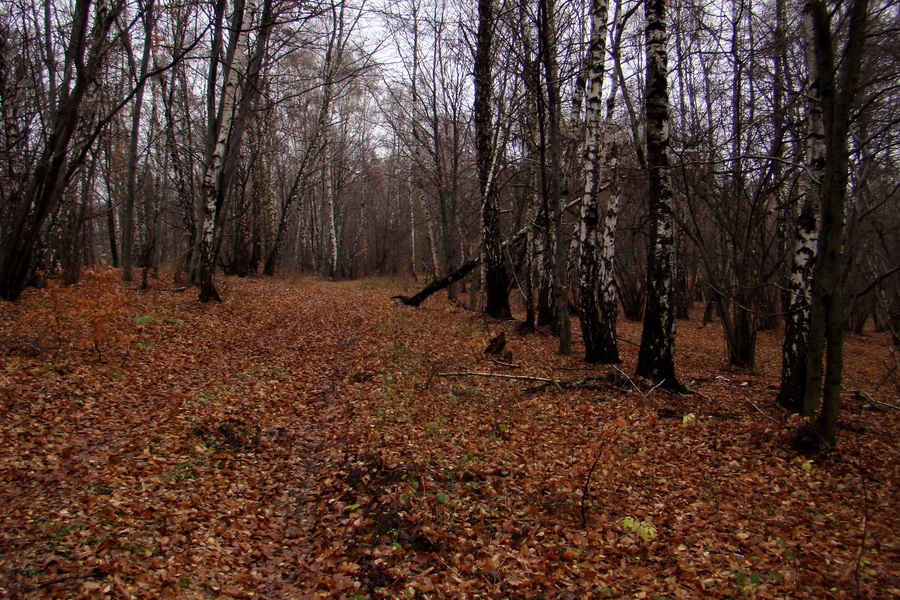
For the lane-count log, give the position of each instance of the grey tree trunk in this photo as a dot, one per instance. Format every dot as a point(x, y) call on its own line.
point(554, 173)
point(131, 183)
point(656, 357)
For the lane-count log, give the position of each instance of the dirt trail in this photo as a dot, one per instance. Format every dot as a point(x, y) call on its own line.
point(180, 463)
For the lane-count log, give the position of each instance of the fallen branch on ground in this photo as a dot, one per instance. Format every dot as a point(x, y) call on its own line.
point(439, 284)
point(545, 382)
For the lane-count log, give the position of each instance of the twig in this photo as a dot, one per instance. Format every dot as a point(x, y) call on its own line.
point(771, 418)
point(651, 390)
point(585, 489)
point(865, 531)
point(498, 376)
point(91, 575)
point(701, 394)
point(506, 364)
point(630, 380)
point(874, 401)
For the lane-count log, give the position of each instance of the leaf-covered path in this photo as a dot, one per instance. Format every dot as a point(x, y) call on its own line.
point(307, 439)
point(187, 458)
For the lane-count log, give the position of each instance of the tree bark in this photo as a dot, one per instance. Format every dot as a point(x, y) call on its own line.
point(599, 340)
point(806, 231)
point(496, 277)
point(656, 357)
point(826, 314)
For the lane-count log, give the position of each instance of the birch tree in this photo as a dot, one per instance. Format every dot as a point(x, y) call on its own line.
point(495, 273)
point(599, 341)
point(656, 357)
point(826, 314)
point(234, 108)
point(803, 255)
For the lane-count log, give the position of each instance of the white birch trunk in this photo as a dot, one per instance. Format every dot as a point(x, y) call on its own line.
point(806, 238)
point(212, 176)
point(599, 344)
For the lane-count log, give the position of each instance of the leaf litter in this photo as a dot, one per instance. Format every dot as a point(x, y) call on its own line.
point(300, 440)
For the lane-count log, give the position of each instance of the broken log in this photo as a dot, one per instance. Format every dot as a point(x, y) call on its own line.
point(439, 284)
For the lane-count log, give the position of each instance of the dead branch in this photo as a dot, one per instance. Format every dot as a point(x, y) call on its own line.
point(498, 376)
point(545, 382)
point(869, 398)
point(771, 418)
point(506, 364)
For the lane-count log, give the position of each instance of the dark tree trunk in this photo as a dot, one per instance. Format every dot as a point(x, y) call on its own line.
point(554, 173)
point(827, 315)
point(44, 188)
point(495, 274)
point(439, 284)
point(656, 357)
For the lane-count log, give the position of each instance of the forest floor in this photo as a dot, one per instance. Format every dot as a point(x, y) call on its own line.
point(316, 439)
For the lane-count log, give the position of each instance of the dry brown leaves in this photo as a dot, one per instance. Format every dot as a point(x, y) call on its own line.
point(284, 444)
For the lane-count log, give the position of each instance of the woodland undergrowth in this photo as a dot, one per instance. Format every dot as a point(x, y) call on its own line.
point(309, 439)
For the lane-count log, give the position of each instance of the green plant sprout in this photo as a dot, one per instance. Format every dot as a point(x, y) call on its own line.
point(642, 529)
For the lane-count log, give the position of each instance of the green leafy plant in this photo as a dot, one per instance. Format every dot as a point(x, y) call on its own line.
point(642, 529)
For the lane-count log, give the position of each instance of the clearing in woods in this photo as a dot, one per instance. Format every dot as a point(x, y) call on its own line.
point(315, 439)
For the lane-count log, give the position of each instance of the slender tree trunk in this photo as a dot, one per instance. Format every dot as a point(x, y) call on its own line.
point(330, 208)
point(554, 186)
point(413, 257)
point(806, 231)
point(656, 357)
point(599, 343)
point(826, 315)
point(212, 180)
point(131, 182)
point(606, 276)
point(496, 277)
